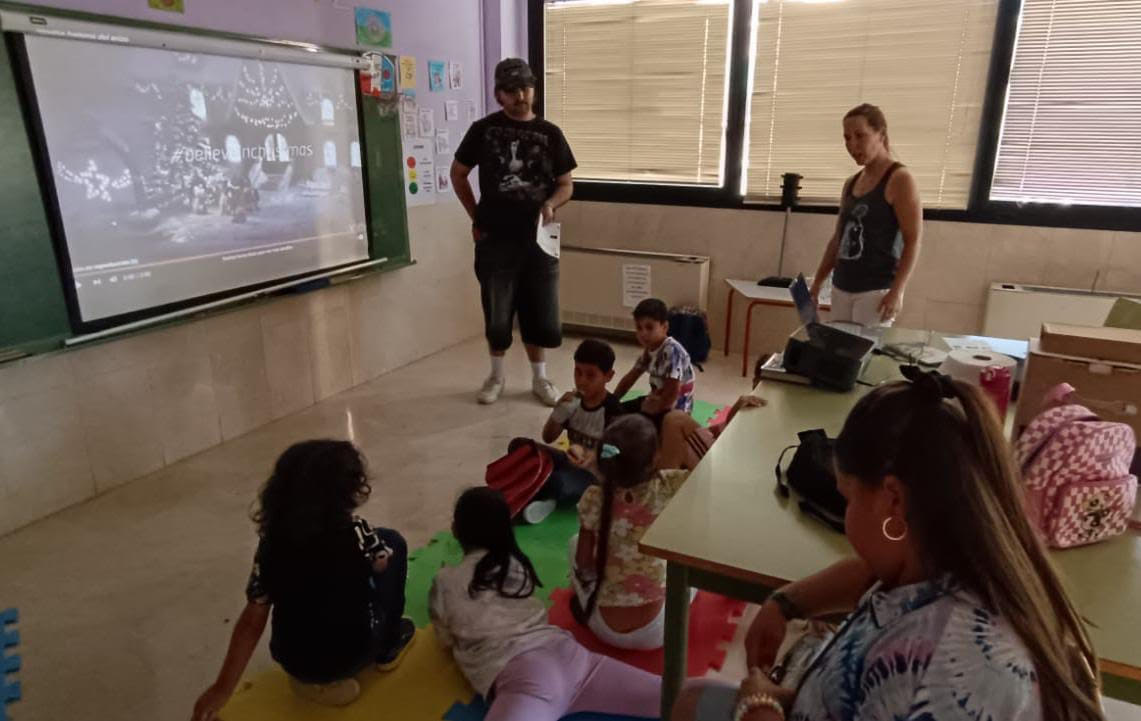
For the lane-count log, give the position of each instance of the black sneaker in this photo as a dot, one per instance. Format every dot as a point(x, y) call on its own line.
point(405, 635)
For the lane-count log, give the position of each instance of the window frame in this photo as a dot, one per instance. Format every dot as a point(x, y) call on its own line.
point(980, 208)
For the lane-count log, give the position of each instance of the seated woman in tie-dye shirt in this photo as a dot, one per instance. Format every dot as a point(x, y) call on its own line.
point(960, 614)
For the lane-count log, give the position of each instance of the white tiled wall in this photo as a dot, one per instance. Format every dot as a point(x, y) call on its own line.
point(947, 292)
point(79, 422)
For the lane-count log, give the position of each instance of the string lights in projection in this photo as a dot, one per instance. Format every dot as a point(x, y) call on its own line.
point(97, 184)
point(263, 101)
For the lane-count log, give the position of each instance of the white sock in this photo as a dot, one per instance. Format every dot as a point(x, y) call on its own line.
point(539, 370)
point(497, 366)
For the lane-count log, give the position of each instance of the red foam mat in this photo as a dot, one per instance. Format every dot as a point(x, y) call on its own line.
point(712, 622)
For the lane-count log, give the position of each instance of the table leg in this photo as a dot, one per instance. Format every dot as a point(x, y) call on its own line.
point(676, 635)
point(728, 319)
point(748, 327)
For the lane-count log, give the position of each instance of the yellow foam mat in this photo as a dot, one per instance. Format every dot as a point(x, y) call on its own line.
point(422, 688)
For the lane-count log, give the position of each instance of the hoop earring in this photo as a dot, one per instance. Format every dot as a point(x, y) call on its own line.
point(890, 537)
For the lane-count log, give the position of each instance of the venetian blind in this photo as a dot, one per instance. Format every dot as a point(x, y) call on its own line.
point(1071, 131)
point(923, 62)
point(638, 87)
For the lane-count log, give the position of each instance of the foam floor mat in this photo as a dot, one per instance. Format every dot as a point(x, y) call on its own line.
point(712, 623)
point(425, 685)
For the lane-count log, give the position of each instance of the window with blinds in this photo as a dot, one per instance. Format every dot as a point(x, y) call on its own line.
point(639, 87)
point(1071, 130)
point(923, 62)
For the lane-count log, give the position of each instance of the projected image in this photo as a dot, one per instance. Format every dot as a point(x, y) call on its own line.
point(180, 175)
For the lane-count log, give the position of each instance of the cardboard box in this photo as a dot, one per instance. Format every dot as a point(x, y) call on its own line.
point(1122, 345)
point(1111, 382)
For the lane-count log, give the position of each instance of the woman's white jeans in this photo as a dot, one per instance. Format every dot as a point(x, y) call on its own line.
point(861, 308)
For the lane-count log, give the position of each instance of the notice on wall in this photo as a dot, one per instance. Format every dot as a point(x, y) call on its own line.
point(419, 172)
point(437, 76)
point(427, 119)
point(635, 284)
point(410, 118)
point(407, 73)
point(443, 142)
point(443, 180)
point(374, 28)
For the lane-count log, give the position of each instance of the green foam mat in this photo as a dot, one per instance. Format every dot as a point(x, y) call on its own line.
point(703, 411)
point(545, 544)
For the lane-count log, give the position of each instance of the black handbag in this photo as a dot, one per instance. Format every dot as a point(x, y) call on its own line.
point(810, 474)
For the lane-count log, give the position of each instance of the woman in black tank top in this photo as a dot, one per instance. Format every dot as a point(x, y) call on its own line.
point(875, 246)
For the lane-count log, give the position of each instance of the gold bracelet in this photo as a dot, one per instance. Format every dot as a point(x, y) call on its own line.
point(756, 701)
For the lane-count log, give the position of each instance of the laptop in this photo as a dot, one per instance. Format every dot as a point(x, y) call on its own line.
point(824, 337)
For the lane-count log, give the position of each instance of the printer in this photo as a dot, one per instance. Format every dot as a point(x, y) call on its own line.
point(826, 355)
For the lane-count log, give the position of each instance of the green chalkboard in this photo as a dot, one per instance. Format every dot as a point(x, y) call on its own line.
point(33, 310)
point(388, 218)
point(33, 313)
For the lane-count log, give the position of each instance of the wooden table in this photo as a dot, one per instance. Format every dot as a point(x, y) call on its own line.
point(756, 295)
point(727, 531)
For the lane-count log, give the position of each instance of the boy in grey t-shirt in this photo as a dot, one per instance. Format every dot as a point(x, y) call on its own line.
point(583, 413)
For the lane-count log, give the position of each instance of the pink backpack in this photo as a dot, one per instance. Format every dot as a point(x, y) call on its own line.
point(1076, 469)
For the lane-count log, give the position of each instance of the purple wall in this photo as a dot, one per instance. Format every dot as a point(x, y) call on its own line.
point(504, 36)
point(418, 25)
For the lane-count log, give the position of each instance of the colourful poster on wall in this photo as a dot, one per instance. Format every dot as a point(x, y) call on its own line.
point(437, 75)
point(374, 28)
point(443, 180)
point(419, 172)
point(407, 73)
point(387, 74)
point(174, 6)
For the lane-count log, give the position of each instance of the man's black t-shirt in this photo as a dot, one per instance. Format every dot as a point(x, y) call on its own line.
point(518, 163)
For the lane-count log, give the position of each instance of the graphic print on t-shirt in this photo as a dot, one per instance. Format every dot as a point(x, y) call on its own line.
point(520, 163)
point(852, 241)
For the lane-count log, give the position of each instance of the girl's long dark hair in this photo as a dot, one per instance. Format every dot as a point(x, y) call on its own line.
point(943, 440)
point(314, 487)
point(637, 442)
point(308, 501)
point(482, 520)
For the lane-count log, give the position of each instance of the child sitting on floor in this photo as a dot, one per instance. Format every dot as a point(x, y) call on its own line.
point(583, 413)
point(684, 441)
point(485, 610)
point(336, 585)
point(619, 592)
point(665, 359)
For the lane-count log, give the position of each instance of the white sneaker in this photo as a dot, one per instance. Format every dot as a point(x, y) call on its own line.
point(490, 390)
point(537, 511)
point(545, 391)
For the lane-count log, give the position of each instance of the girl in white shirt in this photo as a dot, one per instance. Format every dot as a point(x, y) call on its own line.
point(485, 610)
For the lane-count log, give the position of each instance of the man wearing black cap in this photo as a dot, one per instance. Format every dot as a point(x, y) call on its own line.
point(525, 169)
